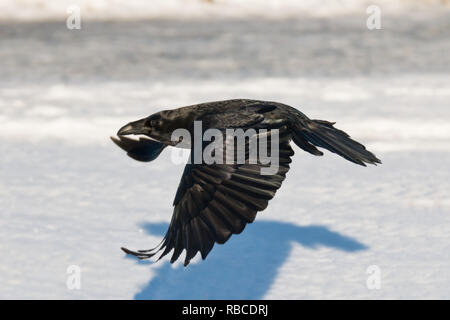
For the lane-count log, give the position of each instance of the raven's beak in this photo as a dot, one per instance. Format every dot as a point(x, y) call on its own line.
point(136, 127)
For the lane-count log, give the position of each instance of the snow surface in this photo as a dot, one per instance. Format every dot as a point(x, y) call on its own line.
point(32, 10)
point(68, 196)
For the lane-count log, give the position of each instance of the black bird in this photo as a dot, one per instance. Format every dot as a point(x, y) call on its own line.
point(214, 201)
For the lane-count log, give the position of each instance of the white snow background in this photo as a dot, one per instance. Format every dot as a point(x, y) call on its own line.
point(69, 196)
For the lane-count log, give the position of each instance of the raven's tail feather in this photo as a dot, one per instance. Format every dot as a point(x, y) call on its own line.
point(322, 134)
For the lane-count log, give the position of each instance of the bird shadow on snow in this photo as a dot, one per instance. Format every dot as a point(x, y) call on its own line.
point(243, 268)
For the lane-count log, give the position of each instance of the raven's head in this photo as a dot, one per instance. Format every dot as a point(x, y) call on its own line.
point(158, 126)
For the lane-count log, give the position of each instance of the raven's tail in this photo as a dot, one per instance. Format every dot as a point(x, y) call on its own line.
point(321, 133)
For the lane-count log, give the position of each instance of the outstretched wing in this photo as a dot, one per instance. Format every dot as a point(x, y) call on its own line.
point(143, 149)
point(215, 201)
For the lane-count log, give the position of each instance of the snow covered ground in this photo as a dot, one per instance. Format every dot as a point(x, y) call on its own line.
point(38, 10)
point(68, 196)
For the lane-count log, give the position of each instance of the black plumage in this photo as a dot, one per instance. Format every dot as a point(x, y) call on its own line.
point(214, 201)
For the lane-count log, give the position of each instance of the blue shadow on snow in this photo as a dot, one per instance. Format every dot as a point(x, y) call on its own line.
point(243, 268)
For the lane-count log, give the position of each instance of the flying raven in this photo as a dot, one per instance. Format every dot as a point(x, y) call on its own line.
point(216, 200)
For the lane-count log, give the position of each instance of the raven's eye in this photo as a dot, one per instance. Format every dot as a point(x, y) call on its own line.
point(154, 121)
